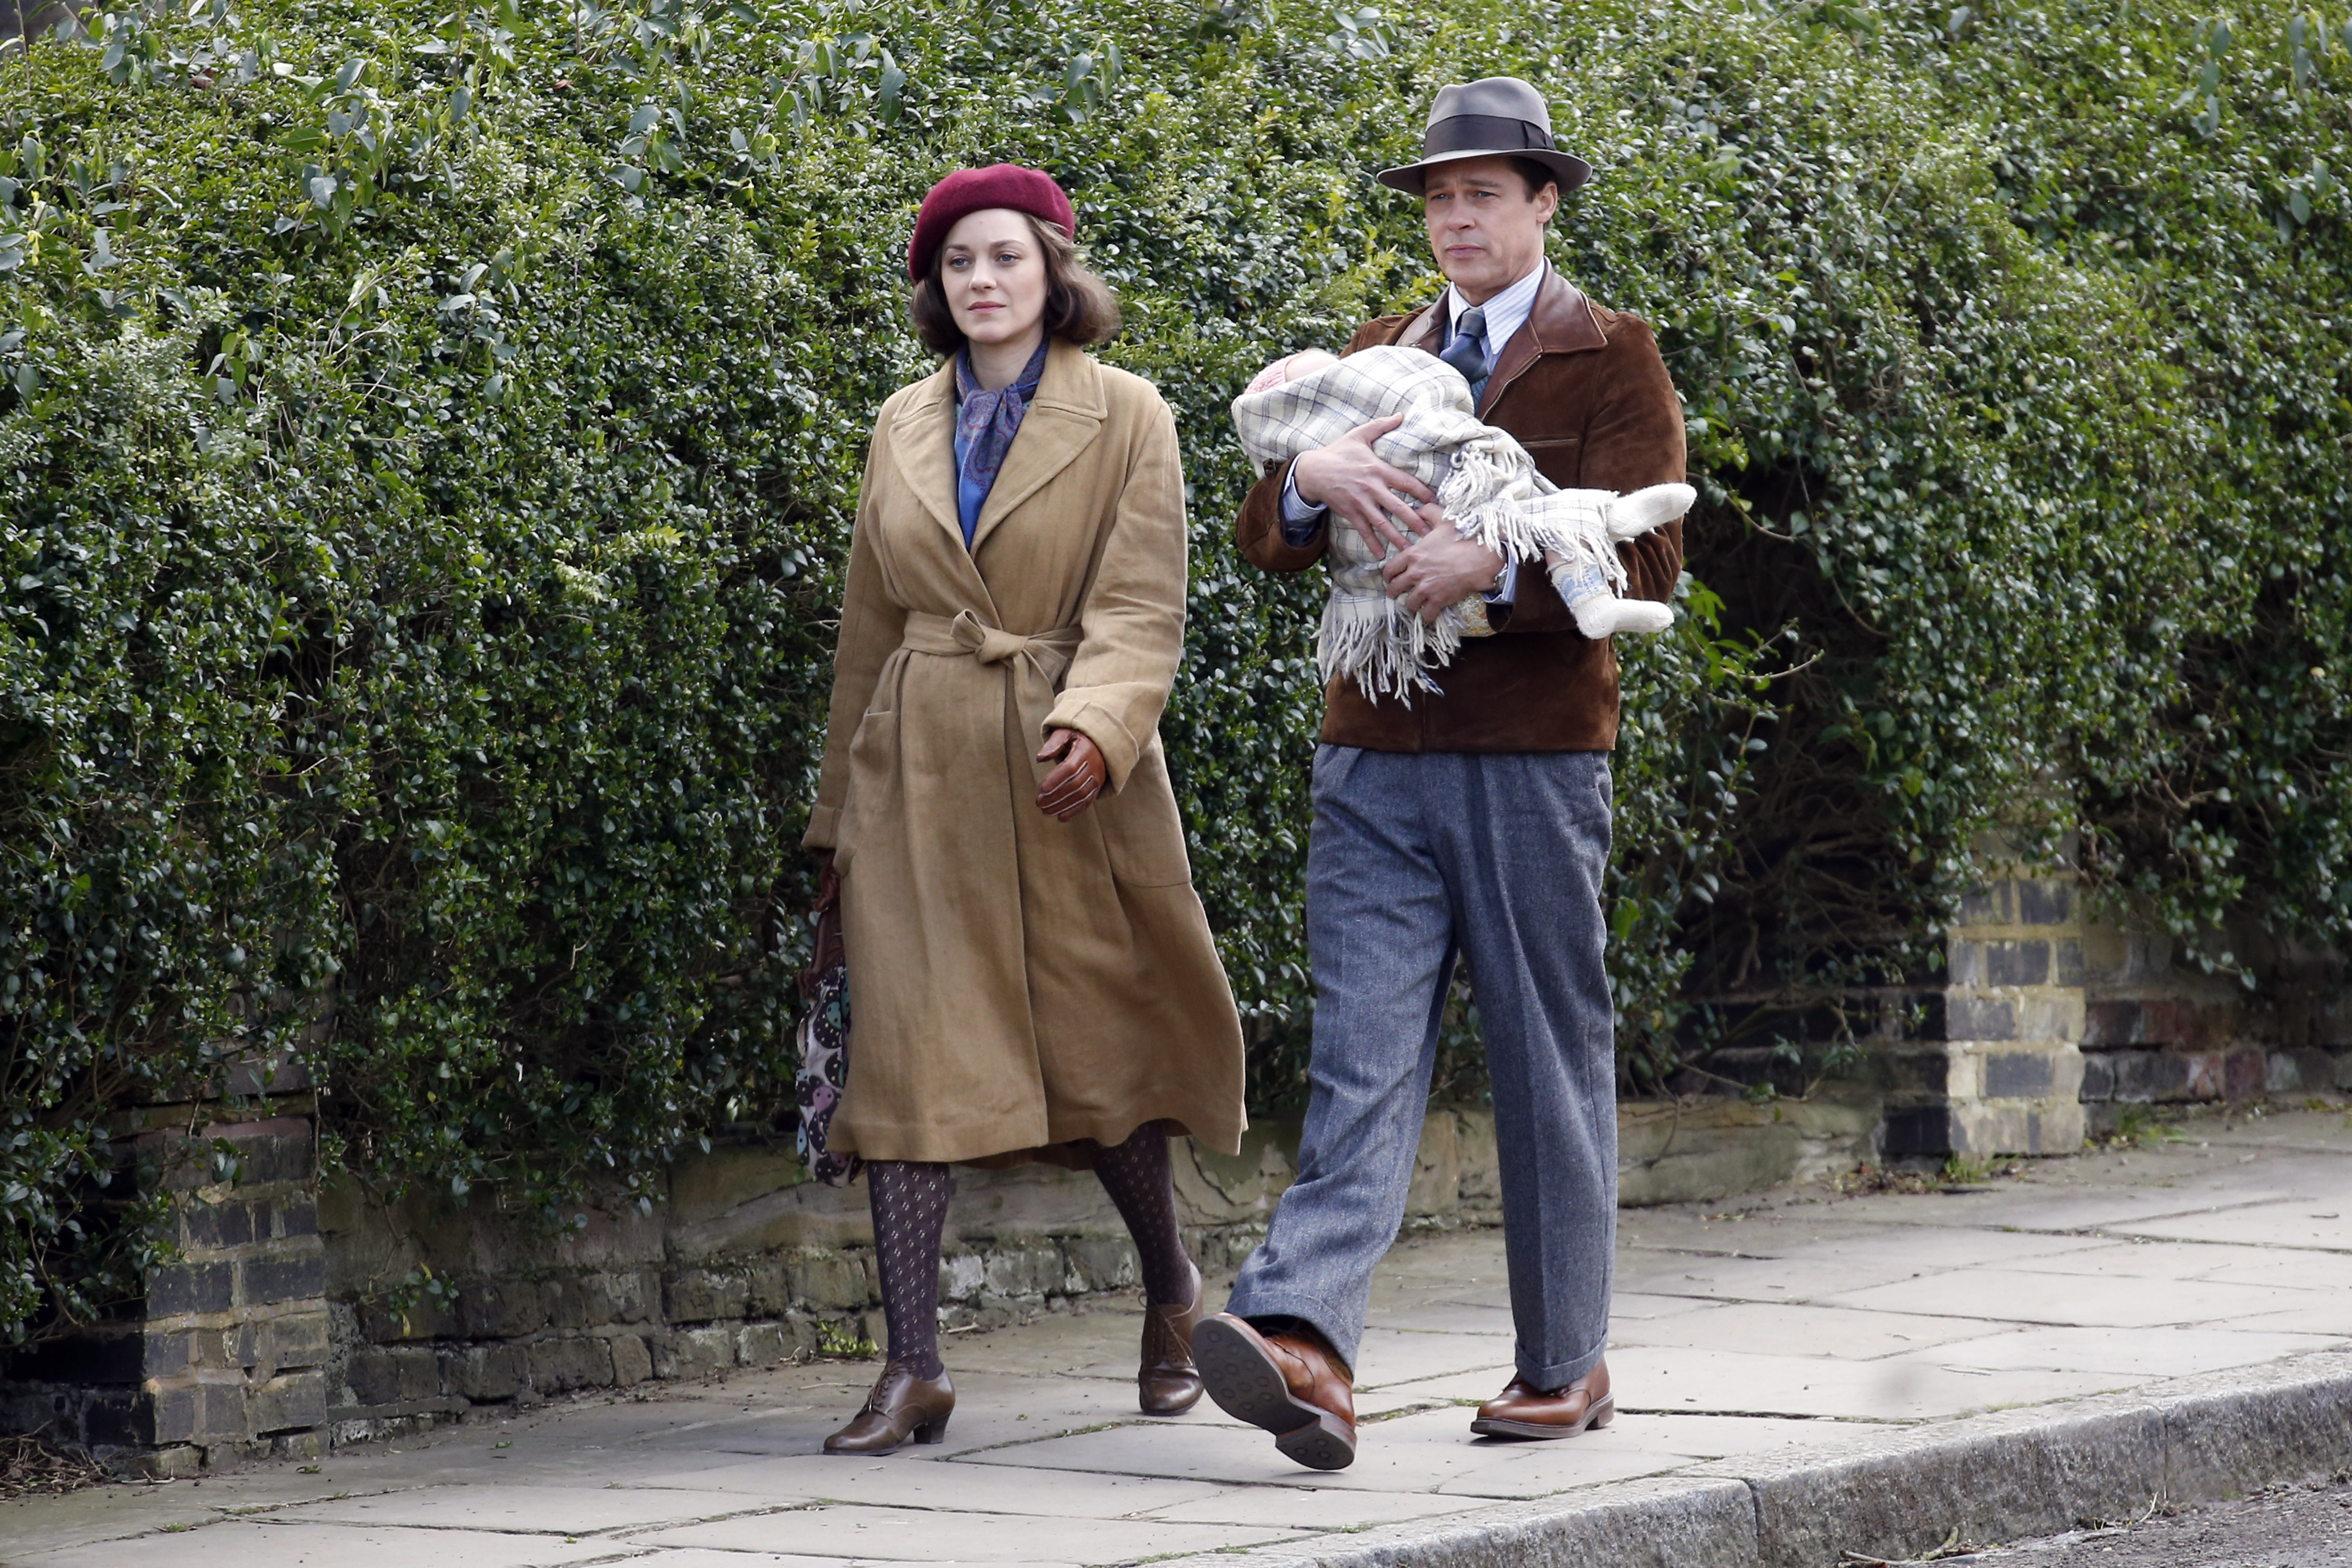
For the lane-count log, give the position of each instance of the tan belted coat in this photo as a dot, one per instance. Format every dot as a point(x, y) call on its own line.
point(1017, 982)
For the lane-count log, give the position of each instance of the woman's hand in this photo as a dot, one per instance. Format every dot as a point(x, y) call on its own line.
point(1073, 785)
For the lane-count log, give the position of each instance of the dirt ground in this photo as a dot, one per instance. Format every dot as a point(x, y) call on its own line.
point(2289, 1527)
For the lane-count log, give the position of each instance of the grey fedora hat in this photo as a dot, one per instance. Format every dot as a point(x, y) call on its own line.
point(1500, 116)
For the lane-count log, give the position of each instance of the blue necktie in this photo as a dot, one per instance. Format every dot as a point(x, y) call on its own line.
point(1467, 351)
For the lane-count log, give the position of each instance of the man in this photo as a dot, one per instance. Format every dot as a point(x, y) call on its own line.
point(1475, 822)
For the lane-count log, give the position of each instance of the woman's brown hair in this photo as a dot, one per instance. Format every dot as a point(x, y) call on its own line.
point(1079, 305)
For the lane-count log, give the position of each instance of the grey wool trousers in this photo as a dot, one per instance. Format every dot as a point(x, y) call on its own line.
point(1415, 859)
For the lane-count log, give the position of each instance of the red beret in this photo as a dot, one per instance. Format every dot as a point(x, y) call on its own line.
point(968, 191)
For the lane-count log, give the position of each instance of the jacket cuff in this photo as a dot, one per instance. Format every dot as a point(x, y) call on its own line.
point(824, 828)
point(1260, 534)
point(1097, 724)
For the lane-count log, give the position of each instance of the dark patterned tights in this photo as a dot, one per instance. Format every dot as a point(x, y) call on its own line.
point(1134, 1174)
point(909, 1198)
point(910, 1205)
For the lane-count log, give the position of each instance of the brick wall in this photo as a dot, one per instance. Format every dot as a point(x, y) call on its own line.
point(2004, 1072)
point(223, 1357)
point(2159, 1030)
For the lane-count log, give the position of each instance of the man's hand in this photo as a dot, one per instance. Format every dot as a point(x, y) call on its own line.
point(1440, 568)
point(1073, 785)
point(1350, 479)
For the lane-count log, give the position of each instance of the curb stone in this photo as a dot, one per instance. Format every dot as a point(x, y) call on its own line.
point(2004, 1475)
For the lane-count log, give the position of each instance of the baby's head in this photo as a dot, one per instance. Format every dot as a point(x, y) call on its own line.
point(1291, 368)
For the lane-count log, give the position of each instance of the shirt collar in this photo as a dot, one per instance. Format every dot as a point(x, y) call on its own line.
point(1506, 313)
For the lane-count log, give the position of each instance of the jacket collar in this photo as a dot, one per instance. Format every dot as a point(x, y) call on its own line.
point(1562, 322)
point(1063, 418)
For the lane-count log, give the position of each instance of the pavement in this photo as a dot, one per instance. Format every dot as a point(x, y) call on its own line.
point(1807, 1378)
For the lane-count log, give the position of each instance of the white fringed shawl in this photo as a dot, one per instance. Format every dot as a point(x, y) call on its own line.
point(1484, 481)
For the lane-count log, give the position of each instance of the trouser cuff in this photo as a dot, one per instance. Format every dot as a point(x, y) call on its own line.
point(1316, 1315)
point(1557, 1374)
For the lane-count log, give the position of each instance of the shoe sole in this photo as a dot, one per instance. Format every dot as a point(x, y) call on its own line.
point(1246, 1385)
point(1599, 1415)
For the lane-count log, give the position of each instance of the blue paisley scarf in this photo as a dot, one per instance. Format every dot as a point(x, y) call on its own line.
point(986, 423)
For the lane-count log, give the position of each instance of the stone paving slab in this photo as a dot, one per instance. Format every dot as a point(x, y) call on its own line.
point(2128, 1352)
point(528, 1510)
point(820, 1478)
point(1796, 1329)
point(247, 1544)
point(707, 1557)
point(1798, 1376)
point(1743, 1382)
point(941, 1535)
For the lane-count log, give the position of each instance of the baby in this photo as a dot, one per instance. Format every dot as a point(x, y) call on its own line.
point(1488, 487)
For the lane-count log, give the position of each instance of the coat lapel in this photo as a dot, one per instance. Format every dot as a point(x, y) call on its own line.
point(1425, 331)
point(922, 440)
point(1062, 420)
point(1560, 322)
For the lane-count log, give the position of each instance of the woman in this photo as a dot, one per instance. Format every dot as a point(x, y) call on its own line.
point(1030, 974)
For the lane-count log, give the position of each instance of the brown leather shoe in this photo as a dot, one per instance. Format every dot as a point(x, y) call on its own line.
point(902, 1406)
point(1169, 1383)
point(1292, 1384)
point(1523, 1410)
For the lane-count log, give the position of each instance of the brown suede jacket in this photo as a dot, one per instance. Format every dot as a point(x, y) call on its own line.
point(1583, 389)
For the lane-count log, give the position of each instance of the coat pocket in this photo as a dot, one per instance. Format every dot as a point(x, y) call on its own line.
point(1559, 458)
point(1143, 836)
point(872, 777)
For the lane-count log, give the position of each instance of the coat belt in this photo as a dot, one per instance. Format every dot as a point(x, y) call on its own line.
point(1036, 664)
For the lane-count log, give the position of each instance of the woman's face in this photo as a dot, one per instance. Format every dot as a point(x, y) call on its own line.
point(992, 271)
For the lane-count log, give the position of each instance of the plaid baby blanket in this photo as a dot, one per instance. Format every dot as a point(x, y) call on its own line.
point(1484, 481)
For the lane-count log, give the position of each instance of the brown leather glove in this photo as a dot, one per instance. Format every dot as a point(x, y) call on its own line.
point(1075, 782)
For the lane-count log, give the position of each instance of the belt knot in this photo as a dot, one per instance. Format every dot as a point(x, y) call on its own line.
point(989, 644)
point(1036, 659)
point(1034, 665)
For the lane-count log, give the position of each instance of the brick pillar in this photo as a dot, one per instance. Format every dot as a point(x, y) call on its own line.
point(222, 1359)
point(2002, 1071)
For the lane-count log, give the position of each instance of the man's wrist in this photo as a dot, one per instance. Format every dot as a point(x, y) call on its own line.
point(1301, 519)
point(1494, 584)
point(1299, 484)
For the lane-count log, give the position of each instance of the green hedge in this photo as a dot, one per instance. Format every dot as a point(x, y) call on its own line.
point(431, 438)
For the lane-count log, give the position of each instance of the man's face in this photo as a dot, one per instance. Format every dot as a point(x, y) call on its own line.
point(1484, 228)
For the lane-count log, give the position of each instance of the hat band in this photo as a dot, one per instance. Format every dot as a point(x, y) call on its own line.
point(1484, 134)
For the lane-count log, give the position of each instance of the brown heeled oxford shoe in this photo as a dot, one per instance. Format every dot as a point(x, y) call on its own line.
point(1523, 1410)
point(1168, 1383)
point(1292, 1384)
point(902, 1406)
